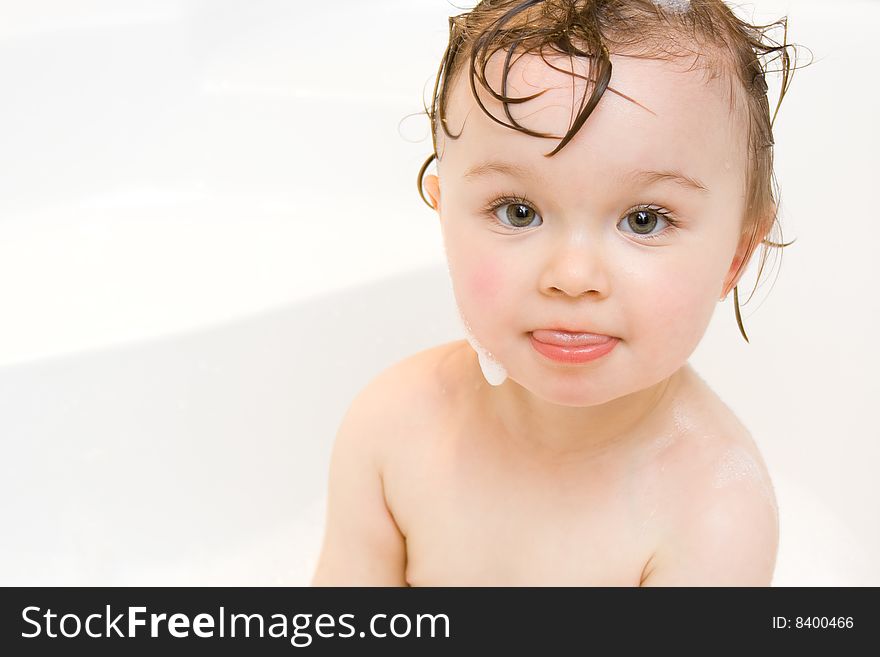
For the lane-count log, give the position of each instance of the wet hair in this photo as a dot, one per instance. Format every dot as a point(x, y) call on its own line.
point(728, 48)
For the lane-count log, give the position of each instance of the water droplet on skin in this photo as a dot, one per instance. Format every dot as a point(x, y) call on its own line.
point(737, 464)
point(734, 464)
point(663, 441)
point(684, 424)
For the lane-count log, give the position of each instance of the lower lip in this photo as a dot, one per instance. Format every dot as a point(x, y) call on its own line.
point(582, 354)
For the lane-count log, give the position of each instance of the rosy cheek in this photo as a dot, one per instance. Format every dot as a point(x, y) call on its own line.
point(486, 281)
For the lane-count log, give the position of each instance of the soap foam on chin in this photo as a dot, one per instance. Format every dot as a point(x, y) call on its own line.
point(493, 371)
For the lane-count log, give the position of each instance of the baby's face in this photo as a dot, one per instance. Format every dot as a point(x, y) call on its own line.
point(594, 248)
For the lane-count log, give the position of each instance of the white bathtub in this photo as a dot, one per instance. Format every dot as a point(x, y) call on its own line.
point(196, 210)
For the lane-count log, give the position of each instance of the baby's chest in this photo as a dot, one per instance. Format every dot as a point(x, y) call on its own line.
point(472, 522)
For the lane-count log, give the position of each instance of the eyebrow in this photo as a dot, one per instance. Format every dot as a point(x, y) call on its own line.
point(516, 170)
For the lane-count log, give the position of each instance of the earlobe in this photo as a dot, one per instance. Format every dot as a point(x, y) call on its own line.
point(744, 254)
point(729, 281)
point(432, 186)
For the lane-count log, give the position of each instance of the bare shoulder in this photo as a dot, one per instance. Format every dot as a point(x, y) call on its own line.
point(722, 527)
point(422, 374)
point(417, 387)
point(428, 366)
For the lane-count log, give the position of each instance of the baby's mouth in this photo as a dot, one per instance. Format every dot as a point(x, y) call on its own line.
point(568, 338)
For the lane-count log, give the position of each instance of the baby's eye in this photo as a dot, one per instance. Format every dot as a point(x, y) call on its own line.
point(644, 219)
point(515, 212)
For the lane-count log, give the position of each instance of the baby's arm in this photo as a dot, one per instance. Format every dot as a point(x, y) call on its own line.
point(728, 537)
point(362, 544)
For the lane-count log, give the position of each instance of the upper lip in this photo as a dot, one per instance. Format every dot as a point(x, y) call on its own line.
point(569, 337)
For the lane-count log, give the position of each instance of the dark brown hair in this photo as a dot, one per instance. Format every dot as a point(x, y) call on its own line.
point(727, 47)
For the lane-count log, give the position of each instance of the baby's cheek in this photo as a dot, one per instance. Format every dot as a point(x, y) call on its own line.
point(485, 282)
point(682, 312)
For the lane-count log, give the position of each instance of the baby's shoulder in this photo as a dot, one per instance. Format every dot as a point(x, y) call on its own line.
point(707, 446)
point(706, 467)
point(417, 388)
point(425, 373)
point(716, 486)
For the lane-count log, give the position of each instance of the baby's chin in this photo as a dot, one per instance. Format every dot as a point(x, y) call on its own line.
point(576, 386)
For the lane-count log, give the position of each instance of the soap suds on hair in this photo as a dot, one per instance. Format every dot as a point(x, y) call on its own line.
point(676, 6)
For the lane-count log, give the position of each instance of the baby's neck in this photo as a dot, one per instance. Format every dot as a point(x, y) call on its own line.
point(557, 432)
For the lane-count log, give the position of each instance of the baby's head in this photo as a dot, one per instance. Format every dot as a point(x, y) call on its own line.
point(644, 210)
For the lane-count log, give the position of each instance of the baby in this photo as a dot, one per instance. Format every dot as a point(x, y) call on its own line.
point(567, 441)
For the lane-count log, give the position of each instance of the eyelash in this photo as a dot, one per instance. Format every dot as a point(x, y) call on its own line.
point(512, 199)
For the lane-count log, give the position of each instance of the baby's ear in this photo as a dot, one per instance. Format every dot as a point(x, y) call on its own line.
point(432, 186)
point(744, 254)
point(738, 258)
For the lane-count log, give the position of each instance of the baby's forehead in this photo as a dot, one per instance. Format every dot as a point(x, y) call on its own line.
point(670, 89)
point(650, 104)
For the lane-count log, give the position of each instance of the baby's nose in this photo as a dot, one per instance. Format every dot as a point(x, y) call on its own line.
point(576, 269)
